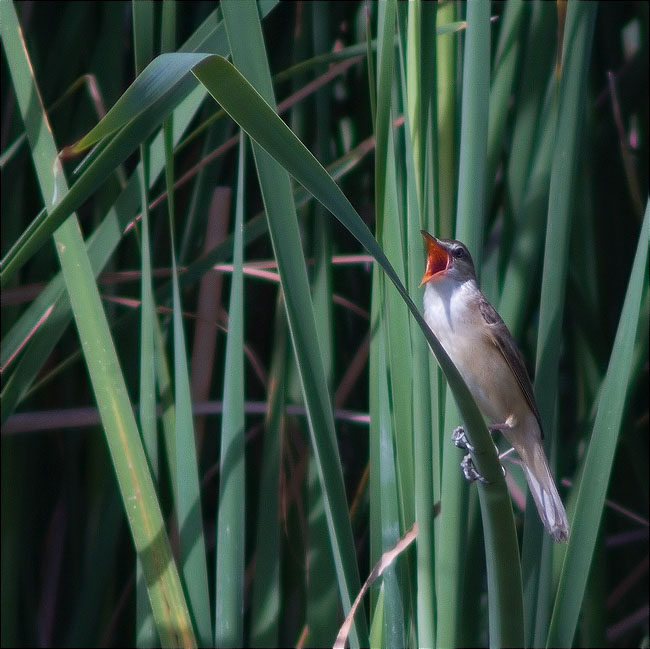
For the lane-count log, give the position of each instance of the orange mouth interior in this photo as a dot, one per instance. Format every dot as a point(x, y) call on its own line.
point(437, 258)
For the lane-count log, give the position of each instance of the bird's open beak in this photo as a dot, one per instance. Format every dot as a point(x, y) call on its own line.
point(438, 258)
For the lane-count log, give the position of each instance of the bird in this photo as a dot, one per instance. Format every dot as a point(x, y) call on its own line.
point(483, 350)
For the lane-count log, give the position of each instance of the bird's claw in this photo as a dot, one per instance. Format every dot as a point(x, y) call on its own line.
point(470, 471)
point(459, 438)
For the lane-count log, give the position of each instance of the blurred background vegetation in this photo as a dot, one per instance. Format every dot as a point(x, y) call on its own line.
point(69, 573)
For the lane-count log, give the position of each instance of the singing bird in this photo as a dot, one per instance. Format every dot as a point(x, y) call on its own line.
point(484, 352)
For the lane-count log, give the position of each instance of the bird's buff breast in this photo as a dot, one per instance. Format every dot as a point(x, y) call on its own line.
point(457, 323)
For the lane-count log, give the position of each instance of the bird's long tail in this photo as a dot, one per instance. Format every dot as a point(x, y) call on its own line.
point(548, 501)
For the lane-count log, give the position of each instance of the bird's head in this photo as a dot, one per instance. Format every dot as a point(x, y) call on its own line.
point(446, 258)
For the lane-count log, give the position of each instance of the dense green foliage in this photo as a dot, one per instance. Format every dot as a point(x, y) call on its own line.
point(218, 413)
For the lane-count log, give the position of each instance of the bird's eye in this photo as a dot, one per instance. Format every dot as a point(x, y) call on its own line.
point(458, 253)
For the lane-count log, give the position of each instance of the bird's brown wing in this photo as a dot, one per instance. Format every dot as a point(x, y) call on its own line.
point(503, 340)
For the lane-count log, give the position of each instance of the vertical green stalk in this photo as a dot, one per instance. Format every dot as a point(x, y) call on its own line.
point(187, 486)
point(419, 154)
point(395, 434)
point(266, 604)
point(229, 607)
point(452, 495)
point(322, 592)
point(143, 16)
point(446, 123)
point(188, 501)
point(505, 64)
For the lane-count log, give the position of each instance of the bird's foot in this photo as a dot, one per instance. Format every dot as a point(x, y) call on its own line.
point(470, 471)
point(459, 438)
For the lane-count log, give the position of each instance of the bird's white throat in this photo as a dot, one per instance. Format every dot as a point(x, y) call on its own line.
point(451, 311)
point(450, 305)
